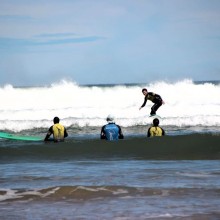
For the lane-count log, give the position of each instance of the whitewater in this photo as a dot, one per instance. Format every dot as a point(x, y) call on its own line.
point(187, 104)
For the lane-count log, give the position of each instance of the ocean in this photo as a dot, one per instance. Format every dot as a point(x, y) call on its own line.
point(171, 177)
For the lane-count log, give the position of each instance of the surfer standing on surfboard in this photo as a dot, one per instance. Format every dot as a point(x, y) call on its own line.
point(155, 98)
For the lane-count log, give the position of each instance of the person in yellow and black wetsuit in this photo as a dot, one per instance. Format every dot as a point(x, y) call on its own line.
point(155, 98)
point(155, 130)
point(59, 131)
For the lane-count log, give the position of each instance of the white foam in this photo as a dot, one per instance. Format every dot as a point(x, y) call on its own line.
point(116, 192)
point(10, 194)
point(15, 194)
point(186, 104)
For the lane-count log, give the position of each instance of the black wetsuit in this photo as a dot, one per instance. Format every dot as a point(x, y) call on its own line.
point(156, 99)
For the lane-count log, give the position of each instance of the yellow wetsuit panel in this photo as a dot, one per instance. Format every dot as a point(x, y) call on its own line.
point(58, 132)
point(156, 131)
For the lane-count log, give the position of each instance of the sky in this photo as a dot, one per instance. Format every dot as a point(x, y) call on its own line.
point(108, 41)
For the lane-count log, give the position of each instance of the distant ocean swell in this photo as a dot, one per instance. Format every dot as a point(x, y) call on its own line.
point(186, 104)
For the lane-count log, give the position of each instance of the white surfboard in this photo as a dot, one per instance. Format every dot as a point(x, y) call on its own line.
point(155, 116)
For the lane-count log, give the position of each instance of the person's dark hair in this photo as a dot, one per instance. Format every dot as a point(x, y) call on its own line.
point(156, 122)
point(56, 120)
point(144, 89)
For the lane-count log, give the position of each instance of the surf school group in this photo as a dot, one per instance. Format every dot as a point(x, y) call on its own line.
point(112, 131)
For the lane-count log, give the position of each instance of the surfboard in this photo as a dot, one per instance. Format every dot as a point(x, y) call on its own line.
point(18, 137)
point(154, 116)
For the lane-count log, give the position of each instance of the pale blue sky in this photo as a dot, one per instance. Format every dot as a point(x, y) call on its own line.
point(108, 41)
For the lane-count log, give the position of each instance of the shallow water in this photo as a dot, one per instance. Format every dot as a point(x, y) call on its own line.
point(110, 189)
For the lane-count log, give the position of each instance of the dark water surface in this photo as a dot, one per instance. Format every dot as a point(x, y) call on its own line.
point(138, 178)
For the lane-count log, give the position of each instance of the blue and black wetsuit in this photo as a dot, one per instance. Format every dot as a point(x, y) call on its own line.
point(156, 99)
point(111, 132)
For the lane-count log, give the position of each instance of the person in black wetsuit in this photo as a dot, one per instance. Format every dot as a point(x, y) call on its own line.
point(111, 131)
point(155, 98)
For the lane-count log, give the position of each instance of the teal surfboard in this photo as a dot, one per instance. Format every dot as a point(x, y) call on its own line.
point(18, 137)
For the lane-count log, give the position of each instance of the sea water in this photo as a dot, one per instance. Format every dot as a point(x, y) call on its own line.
point(110, 189)
point(46, 181)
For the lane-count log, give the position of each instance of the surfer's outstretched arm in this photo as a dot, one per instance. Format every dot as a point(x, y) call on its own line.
point(145, 101)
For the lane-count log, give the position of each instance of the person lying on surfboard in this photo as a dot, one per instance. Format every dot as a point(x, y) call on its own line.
point(155, 98)
point(59, 131)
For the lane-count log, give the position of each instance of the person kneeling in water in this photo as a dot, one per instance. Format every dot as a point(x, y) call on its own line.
point(111, 131)
point(155, 130)
point(59, 131)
